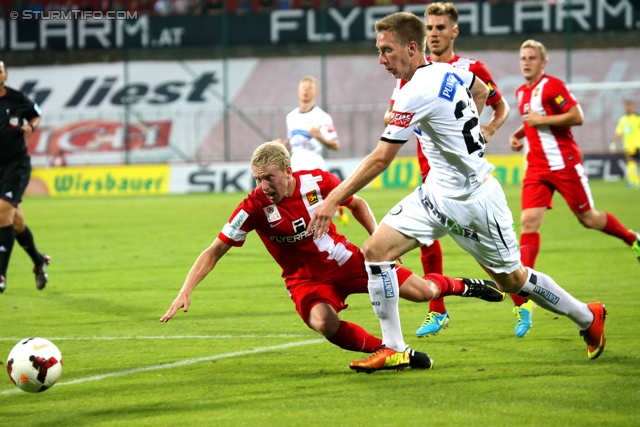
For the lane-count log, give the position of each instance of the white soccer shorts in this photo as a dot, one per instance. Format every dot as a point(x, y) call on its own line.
point(481, 224)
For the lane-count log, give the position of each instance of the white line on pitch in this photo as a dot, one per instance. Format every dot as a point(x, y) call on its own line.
point(163, 337)
point(178, 364)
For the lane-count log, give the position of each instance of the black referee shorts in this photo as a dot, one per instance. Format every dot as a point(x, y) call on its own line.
point(14, 179)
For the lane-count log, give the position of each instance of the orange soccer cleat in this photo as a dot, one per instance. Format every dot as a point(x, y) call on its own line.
point(383, 359)
point(594, 334)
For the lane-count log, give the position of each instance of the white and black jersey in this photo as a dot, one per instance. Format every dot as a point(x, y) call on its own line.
point(437, 103)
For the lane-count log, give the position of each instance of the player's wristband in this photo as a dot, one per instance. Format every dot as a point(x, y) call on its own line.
point(33, 128)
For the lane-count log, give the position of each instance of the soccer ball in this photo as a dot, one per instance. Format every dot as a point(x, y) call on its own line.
point(34, 364)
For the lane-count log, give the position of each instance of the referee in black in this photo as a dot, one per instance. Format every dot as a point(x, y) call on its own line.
point(19, 117)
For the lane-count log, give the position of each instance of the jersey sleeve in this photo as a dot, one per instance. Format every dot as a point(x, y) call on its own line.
point(235, 230)
point(332, 182)
point(481, 71)
point(557, 95)
point(467, 77)
point(328, 130)
point(29, 109)
point(394, 94)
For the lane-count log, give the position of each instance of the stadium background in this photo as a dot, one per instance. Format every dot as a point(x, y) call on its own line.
point(176, 103)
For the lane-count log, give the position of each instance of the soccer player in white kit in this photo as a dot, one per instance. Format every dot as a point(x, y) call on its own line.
point(309, 130)
point(459, 197)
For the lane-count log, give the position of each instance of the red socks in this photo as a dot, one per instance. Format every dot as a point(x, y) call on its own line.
point(448, 286)
point(431, 258)
point(529, 248)
point(613, 227)
point(350, 336)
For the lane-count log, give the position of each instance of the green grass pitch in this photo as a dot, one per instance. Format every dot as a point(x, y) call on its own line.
point(241, 355)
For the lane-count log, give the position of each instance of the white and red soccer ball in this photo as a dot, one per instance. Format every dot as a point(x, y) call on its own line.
point(34, 364)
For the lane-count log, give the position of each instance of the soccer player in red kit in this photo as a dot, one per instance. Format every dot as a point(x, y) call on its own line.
point(554, 161)
point(442, 29)
point(320, 273)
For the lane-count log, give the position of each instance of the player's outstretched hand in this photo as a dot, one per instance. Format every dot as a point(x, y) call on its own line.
point(321, 220)
point(181, 301)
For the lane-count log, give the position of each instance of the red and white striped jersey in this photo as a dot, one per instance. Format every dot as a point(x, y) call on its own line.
point(282, 228)
point(550, 147)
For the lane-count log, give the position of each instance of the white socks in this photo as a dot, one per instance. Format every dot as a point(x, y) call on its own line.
point(545, 292)
point(384, 291)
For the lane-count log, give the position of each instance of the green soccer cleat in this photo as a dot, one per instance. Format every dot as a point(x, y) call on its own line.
point(635, 248)
point(433, 323)
point(523, 318)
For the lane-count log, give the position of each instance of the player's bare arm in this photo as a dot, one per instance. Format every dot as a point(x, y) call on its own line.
point(387, 115)
point(573, 117)
point(203, 266)
point(372, 165)
point(500, 114)
point(480, 92)
point(515, 139)
point(333, 144)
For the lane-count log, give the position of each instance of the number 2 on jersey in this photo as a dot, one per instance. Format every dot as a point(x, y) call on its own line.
point(472, 144)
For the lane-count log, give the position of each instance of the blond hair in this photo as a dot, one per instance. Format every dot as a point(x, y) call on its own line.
point(405, 27)
point(443, 9)
point(271, 153)
point(534, 44)
point(310, 79)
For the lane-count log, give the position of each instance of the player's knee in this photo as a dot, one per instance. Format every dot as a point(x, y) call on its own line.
point(327, 325)
point(593, 219)
point(373, 251)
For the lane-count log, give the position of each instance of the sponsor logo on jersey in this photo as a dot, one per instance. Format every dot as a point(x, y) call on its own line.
point(236, 222)
point(300, 132)
point(401, 119)
point(312, 197)
point(273, 215)
point(449, 86)
point(560, 100)
point(299, 228)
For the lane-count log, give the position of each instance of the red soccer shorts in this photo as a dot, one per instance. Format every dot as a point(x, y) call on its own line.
point(571, 182)
point(334, 289)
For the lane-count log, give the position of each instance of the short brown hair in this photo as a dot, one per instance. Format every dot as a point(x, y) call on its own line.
point(443, 9)
point(271, 153)
point(405, 27)
point(534, 44)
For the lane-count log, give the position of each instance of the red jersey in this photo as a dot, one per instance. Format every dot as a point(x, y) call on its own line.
point(481, 72)
point(550, 147)
point(282, 228)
